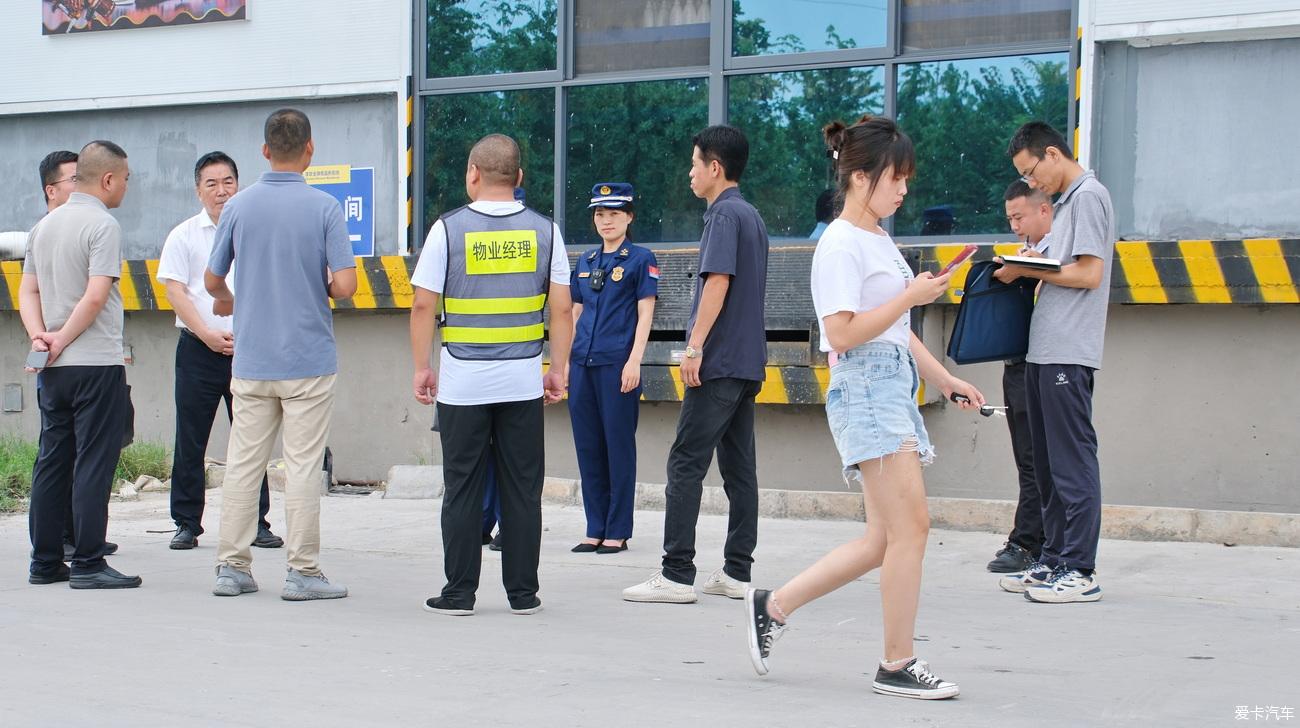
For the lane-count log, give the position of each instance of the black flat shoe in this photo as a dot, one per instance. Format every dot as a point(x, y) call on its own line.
point(267, 540)
point(49, 578)
point(612, 549)
point(109, 578)
point(183, 540)
point(495, 543)
point(585, 548)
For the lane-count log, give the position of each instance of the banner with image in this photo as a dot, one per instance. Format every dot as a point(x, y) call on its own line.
point(80, 16)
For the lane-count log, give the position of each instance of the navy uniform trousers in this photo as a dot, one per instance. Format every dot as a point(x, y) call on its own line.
point(604, 434)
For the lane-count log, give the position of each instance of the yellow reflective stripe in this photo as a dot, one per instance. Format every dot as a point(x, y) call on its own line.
point(1266, 259)
point(501, 335)
point(1204, 272)
point(1140, 272)
point(524, 304)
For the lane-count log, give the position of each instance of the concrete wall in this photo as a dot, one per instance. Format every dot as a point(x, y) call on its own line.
point(1184, 148)
point(1194, 409)
point(163, 144)
point(281, 45)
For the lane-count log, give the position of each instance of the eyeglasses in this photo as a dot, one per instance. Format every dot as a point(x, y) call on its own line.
point(72, 179)
point(1028, 176)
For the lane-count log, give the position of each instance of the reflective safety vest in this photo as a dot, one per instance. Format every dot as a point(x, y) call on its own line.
point(498, 275)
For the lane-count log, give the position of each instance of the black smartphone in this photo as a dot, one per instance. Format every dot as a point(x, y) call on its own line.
point(37, 359)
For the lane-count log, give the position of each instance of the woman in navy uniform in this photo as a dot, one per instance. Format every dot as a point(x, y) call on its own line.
point(614, 288)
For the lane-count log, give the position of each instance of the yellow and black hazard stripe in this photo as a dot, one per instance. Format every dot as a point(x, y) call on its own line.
point(1254, 271)
point(784, 385)
point(1258, 270)
point(1078, 87)
point(410, 163)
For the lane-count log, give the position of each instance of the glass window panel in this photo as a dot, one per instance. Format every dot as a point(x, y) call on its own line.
point(961, 114)
point(782, 114)
point(931, 24)
point(484, 37)
point(454, 122)
point(639, 133)
point(627, 35)
point(763, 27)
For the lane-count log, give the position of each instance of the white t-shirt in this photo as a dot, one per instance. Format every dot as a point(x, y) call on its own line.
point(184, 259)
point(467, 382)
point(855, 270)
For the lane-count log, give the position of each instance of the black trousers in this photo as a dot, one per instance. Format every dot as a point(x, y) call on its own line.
point(1027, 530)
point(83, 418)
point(717, 415)
point(510, 436)
point(1065, 461)
point(202, 382)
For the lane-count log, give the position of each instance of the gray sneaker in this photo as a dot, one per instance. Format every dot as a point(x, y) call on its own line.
point(299, 587)
point(232, 582)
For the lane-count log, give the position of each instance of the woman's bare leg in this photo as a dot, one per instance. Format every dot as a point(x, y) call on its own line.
point(842, 565)
point(898, 493)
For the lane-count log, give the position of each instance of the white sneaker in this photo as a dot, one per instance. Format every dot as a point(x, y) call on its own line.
point(1066, 586)
point(720, 584)
point(1037, 573)
point(659, 589)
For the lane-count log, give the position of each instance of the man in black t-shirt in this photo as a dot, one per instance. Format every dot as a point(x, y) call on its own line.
point(723, 370)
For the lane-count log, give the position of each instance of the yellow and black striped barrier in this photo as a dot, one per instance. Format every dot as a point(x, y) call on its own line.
point(1259, 270)
point(784, 385)
point(1253, 271)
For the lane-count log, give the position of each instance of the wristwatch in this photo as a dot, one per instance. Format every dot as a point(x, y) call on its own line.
point(691, 353)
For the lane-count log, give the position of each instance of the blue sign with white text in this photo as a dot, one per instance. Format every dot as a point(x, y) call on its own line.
point(356, 195)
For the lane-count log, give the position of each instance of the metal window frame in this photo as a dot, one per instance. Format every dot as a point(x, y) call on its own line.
point(718, 73)
point(806, 58)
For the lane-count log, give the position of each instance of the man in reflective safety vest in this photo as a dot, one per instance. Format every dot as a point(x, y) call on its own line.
point(493, 265)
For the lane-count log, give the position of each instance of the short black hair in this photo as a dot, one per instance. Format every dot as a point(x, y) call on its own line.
point(212, 158)
point(286, 133)
point(728, 146)
point(50, 168)
point(825, 207)
point(1019, 189)
point(1036, 137)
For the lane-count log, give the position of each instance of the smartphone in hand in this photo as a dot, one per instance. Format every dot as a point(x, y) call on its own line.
point(962, 257)
point(37, 359)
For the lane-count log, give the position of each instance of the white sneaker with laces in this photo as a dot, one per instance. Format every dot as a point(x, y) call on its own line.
point(719, 584)
point(1066, 586)
point(661, 590)
point(1017, 583)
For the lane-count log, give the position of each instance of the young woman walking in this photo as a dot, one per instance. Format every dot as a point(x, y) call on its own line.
point(863, 292)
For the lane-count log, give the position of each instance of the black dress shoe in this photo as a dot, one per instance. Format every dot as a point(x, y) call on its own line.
point(70, 550)
point(612, 549)
point(184, 539)
point(267, 540)
point(108, 578)
point(61, 574)
point(585, 548)
point(495, 545)
point(1010, 559)
point(487, 539)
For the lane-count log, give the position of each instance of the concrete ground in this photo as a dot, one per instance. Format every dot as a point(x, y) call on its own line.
point(1186, 633)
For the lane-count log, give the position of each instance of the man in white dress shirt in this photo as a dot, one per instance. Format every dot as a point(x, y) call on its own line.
point(203, 352)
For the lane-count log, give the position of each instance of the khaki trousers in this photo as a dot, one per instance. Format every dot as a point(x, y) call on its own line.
point(302, 407)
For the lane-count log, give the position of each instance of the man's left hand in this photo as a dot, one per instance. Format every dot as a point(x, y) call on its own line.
point(553, 387)
point(691, 370)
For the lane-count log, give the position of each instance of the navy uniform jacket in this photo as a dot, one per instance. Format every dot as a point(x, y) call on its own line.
point(607, 326)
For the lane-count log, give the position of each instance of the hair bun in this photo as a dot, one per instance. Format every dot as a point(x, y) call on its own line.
point(865, 118)
point(833, 133)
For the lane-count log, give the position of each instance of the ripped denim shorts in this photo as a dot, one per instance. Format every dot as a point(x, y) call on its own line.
point(871, 406)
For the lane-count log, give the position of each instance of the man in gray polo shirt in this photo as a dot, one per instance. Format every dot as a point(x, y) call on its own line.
point(72, 310)
point(294, 255)
point(1065, 344)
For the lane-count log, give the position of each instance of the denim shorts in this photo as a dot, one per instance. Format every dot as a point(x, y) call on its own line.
point(871, 405)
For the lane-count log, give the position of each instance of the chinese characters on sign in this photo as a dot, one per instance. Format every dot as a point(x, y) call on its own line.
point(1265, 712)
point(501, 251)
point(354, 188)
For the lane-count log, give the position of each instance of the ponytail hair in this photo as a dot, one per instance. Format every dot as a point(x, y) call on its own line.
point(872, 145)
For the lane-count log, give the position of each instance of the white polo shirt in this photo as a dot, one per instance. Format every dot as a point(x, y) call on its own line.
point(184, 259)
point(467, 382)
